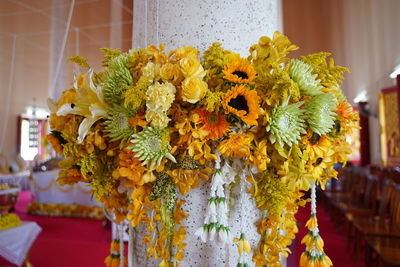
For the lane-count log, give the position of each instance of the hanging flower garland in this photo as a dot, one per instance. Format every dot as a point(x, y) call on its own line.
point(151, 126)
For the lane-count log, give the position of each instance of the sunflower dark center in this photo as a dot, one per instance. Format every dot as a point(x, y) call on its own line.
point(239, 103)
point(337, 126)
point(314, 139)
point(318, 161)
point(212, 118)
point(240, 74)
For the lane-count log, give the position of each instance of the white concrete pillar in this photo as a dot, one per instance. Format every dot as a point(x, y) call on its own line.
point(237, 24)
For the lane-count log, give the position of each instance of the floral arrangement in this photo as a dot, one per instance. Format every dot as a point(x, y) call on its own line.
point(152, 125)
point(9, 220)
point(72, 210)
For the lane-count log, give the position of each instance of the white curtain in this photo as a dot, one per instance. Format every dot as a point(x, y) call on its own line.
point(370, 49)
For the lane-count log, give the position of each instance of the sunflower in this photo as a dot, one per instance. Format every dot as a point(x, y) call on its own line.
point(213, 122)
point(316, 145)
point(239, 71)
point(237, 145)
point(242, 102)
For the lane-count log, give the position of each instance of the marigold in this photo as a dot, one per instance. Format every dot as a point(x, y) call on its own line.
point(213, 122)
point(242, 102)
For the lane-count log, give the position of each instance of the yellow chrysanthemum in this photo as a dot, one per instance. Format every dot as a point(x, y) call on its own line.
point(240, 71)
point(242, 102)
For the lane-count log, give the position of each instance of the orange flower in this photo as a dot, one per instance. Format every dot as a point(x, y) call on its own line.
point(137, 121)
point(242, 102)
point(130, 167)
point(55, 143)
point(238, 146)
point(215, 123)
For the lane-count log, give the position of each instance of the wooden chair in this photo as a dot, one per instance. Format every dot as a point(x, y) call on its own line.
point(387, 223)
point(353, 187)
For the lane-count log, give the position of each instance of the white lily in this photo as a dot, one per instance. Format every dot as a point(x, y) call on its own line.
point(90, 103)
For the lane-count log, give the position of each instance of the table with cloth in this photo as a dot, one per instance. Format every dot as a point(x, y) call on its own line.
point(19, 178)
point(68, 200)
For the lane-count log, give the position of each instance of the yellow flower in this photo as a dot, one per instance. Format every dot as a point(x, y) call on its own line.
point(237, 145)
point(316, 145)
point(193, 89)
point(55, 143)
point(260, 158)
point(243, 244)
point(159, 97)
point(311, 223)
point(151, 71)
point(130, 167)
point(185, 51)
point(157, 119)
point(240, 71)
point(191, 66)
point(89, 103)
point(171, 73)
point(213, 122)
point(242, 102)
point(138, 208)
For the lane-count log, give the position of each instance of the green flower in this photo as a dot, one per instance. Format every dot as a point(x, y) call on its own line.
point(117, 79)
point(287, 124)
point(302, 74)
point(151, 146)
point(117, 124)
point(319, 113)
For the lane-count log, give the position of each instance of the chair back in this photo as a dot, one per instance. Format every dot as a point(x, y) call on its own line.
point(386, 197)
point(371, 192)
point(395, 208)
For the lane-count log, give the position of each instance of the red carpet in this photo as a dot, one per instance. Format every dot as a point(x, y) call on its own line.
point(66, 242)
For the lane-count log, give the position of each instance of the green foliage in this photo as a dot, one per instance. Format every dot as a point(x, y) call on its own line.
point(329, 74)
point(81, 61)
point(109, 54)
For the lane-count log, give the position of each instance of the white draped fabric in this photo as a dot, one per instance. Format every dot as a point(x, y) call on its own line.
point(237, 25)
point(46, 190)
point(20, 178)
point(16, 242)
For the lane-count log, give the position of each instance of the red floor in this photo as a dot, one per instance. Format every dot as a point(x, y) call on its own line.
point(67, 242)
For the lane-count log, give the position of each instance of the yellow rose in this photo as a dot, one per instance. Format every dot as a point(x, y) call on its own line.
point(186, 51)
point(191, 66)
point(171, 73)
point(193, 89)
